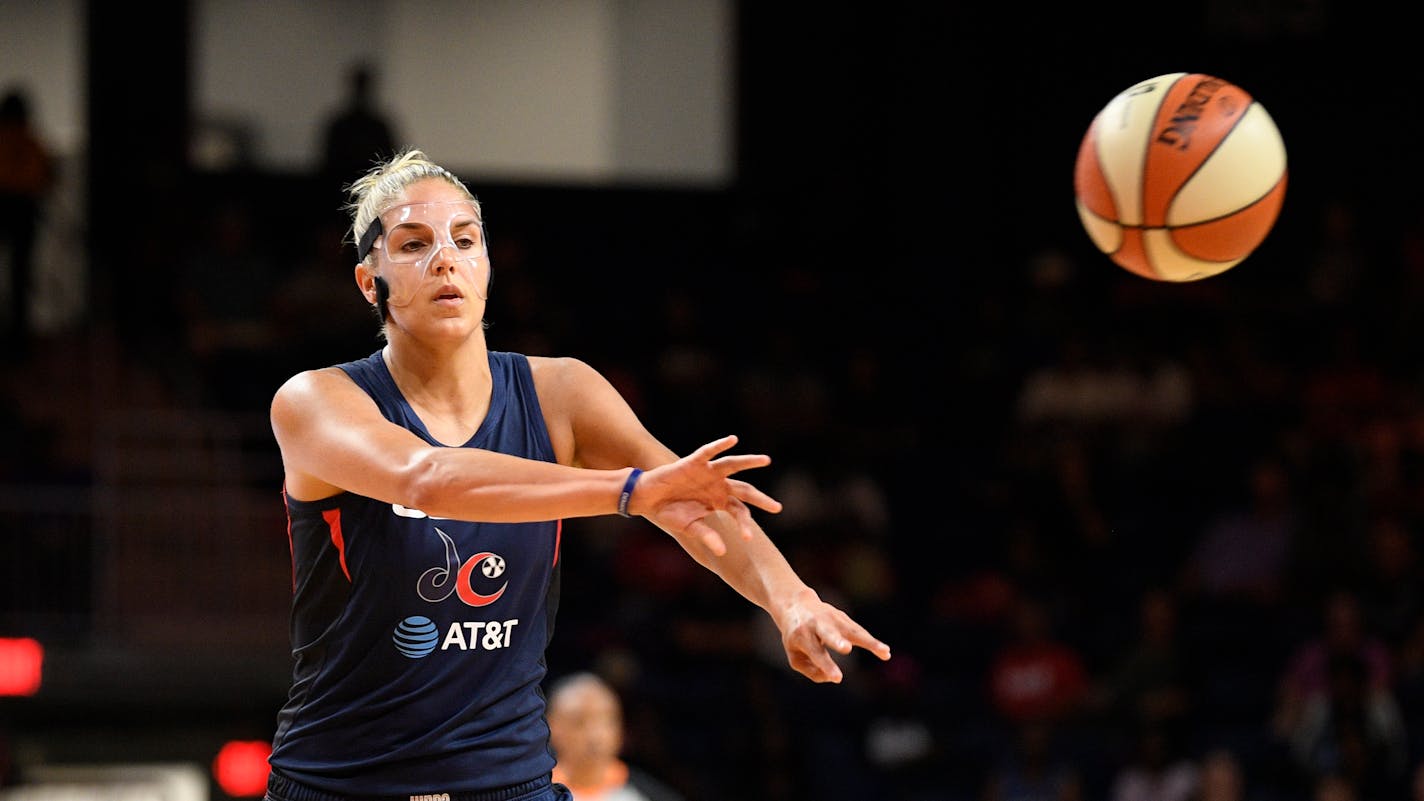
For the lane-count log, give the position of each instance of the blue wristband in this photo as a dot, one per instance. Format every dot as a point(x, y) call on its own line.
point(627, 493)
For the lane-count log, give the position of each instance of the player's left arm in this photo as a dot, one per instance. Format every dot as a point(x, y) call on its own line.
point(592, 425)
point(810, 627)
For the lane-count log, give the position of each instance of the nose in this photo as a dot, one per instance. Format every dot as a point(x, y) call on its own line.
point(441, 260)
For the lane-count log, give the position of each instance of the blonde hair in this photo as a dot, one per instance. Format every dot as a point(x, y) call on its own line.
point(377, 190)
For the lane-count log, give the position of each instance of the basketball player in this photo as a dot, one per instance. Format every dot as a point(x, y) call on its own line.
point(586, 731)
point(418, 635)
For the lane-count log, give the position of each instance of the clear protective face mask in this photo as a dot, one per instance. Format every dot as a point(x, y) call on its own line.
point(416, 240)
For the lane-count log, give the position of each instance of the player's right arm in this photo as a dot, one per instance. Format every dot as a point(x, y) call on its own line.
point(333, 438)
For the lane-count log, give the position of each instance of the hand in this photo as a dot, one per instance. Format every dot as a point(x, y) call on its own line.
point(678, 497)
point(811, 629)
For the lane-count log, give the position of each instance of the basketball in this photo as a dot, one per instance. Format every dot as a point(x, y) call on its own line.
point(1180, 177)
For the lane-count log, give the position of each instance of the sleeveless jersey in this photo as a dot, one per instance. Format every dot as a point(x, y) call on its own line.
point(418, 643)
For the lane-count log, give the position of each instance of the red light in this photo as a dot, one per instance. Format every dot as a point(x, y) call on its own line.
point(241, 768)
point(21, 666)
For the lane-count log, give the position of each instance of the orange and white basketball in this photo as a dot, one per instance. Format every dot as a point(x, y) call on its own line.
point(1180, 177)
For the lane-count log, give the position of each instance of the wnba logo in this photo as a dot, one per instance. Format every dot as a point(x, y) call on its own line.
point(437, 584)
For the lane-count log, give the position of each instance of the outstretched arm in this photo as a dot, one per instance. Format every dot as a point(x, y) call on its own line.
point(593, 425)
point(333, 438)
point(810, 627)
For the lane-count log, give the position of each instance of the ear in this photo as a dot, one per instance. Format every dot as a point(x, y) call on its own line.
point(366, 282)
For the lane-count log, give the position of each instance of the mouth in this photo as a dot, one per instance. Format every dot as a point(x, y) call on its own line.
point(449, 293)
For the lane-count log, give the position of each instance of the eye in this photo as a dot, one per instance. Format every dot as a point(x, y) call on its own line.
point(467, 242)
point(412, 246)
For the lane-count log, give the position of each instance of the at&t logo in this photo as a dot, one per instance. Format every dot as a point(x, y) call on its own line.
point(416, 636)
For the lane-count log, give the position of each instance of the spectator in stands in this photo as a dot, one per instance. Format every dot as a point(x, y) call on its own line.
point(27, 176)
point(1034, 768)
point(1353, 729)
point(1221, 777)
point(358, 134)
point(1308, 679)
point(1035, 676)
point(1158, 771)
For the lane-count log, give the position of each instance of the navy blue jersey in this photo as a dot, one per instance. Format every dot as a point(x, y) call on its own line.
point(418, 642)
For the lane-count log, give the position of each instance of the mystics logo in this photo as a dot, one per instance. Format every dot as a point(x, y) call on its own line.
point(435, 584)
point(475, 581)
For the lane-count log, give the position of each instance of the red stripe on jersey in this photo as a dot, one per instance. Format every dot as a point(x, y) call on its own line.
point(291, 549)
point(333, 521)
point(558, 538)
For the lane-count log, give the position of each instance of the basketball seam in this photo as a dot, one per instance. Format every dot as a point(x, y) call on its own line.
point(1187, 179)
point(1252, 204)
point(1143, 182)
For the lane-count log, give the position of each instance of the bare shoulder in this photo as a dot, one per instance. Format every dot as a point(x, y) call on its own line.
point(560, 376)
point(589, 421)
point(310, 382)
point(325, 426)
point(321, 386)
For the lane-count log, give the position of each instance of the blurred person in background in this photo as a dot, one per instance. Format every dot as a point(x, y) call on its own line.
point(426, 485)
point(1307, 676)
point(1034, 674)
point(1149, 679)
point(27, 175)
point(1237, 566)
point(1158, 769)
point(1352, 729)
point(356, 134)
point(1221, 777)
point(226, 303)
point(586, 732)
point(1036, 768)
point(1334, 787)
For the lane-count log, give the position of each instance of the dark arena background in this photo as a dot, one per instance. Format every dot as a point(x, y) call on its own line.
point(1119, 534)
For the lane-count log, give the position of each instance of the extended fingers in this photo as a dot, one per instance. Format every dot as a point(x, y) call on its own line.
point(715, 447)
point(861, 637)
point(727, 465)
point(810, 657)
point(843, 633)
point(810, 646)
point(749, 494)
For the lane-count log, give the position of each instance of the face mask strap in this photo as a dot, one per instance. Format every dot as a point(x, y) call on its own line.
point(374, 230)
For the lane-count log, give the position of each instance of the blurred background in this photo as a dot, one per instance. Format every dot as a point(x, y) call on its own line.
point(1127, 540)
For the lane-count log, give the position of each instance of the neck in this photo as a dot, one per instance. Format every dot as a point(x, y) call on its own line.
point(449, 377)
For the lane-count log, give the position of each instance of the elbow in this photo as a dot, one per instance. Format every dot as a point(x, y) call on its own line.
point(426, 483)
